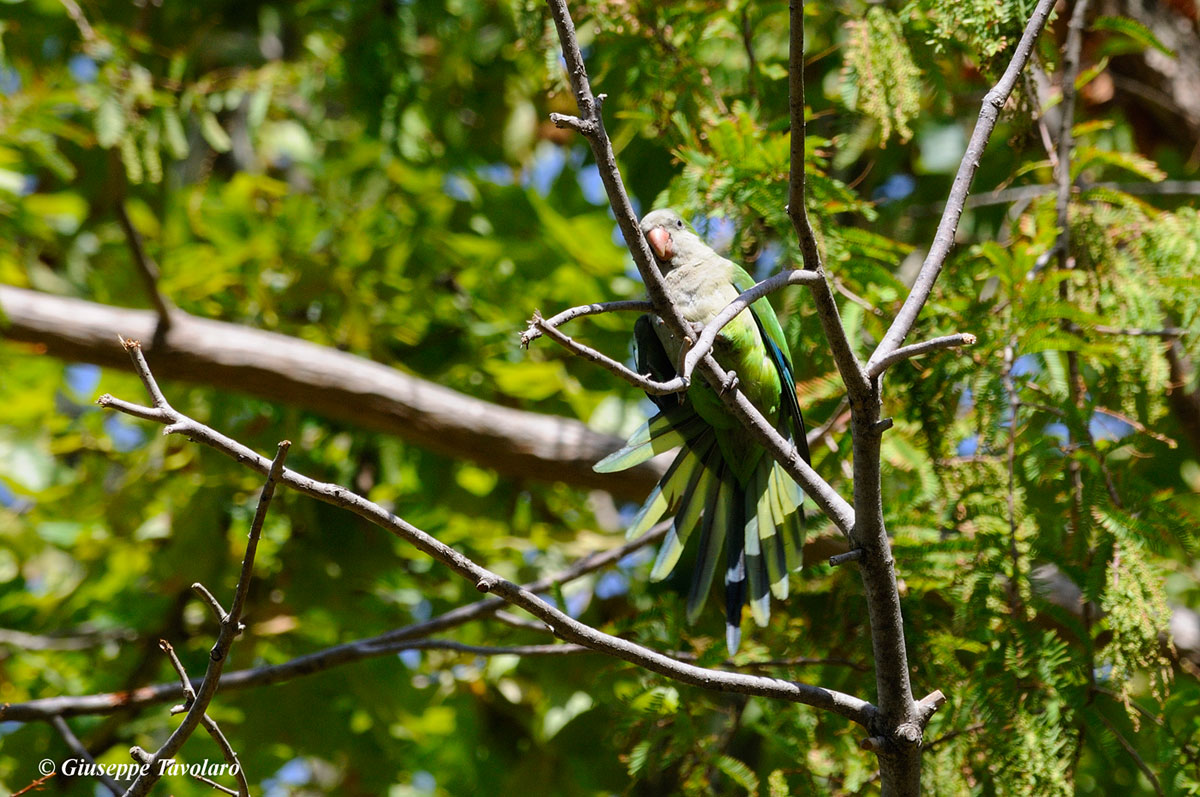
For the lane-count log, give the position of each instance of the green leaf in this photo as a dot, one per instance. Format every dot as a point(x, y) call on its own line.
point(173, 130)
point(213, 133)
point(739, 773)
point(110, 122)
point(1133, 162)
point(1133, 30)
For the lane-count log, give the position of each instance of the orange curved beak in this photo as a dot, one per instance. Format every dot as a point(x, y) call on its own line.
point(661, 243)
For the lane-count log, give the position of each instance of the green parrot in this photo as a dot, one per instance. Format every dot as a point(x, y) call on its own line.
point(722, 482)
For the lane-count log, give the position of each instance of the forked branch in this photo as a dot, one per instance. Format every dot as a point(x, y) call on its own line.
point(562, 625)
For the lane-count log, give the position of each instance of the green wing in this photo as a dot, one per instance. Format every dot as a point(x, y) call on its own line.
point(772, 333)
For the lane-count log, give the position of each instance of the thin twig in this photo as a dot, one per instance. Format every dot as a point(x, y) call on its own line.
point(214, 604)
point(945, 737)
point(1016, 606)
point(638, 305)
point(836, 418)
point(650, 386)
point(1062, 176)
point(337, 655)
point(64, 730)
point(77, 16)
point(146, 267)
point(35, 786)
point(1168, 333)
point(1138, 426)
point(1133, 753)
point(231, 756)
point(71, 640)
point(840, 287)
point(231, 624)
point(210, 725)
point(917, 349)
point(147, 760)
point(1024, 193)
point(189, 694)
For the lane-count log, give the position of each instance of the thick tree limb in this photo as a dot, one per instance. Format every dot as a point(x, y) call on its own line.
point(900, 723)
point(336, 384)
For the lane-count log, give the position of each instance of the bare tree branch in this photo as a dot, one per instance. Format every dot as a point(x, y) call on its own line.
point(231, 623)
point(217, 610)
point(917, 349)
point(335, 384)
point(944, 238)
point(189, 694)
point(1023, 193)
point(1168, 333)
point(647, 384)
point(385, 644)
point(146, 267)
point(637, 305)
point(71, 640)
point(563, 626)
point(1133, 754)
point(827, 310)
point(230, 755)
point(64, 730)
point(210, 725)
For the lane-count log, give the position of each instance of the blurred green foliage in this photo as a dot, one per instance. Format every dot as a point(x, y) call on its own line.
point(381, 177)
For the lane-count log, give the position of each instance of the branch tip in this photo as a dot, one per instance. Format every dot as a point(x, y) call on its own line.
point(931, 703)
point(853, 555)
point(874, 744)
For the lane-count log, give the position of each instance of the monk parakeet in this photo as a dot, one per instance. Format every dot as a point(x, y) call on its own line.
point(722, 483)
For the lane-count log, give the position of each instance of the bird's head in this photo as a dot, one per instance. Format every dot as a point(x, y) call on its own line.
point(671, 239)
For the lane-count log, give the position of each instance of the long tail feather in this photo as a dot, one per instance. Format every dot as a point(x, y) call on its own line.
point(661, 433)
point(687, 517)
point(735, 570)
point(773, 542)
point(712, 538)
point(665, 494)
point(756, 566)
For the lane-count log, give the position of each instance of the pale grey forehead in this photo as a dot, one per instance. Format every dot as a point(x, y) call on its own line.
point(659, 218)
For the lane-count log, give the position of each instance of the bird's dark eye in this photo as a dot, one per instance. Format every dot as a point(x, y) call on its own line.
point(679, 223)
